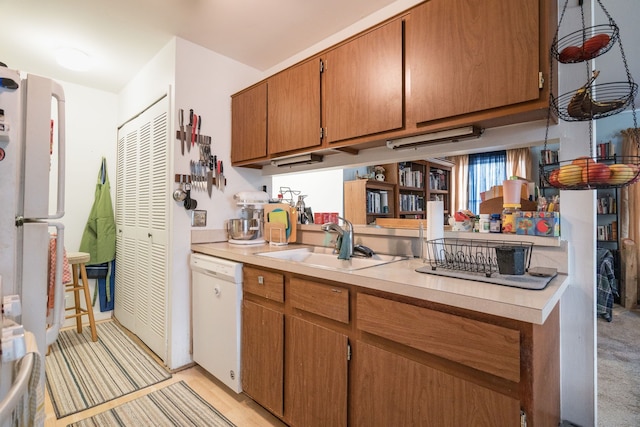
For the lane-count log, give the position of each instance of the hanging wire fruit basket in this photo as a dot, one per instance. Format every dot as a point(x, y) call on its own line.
point(588, 103)
point(585, 44)
point(586, 173)
point(591, 102)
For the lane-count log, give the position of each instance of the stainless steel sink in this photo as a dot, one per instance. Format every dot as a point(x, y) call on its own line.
point(323, 257)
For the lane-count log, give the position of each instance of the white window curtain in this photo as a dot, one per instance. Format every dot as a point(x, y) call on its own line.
point(460, 182)
point(519, 163)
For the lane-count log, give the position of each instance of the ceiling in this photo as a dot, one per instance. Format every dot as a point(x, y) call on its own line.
point(123, 35)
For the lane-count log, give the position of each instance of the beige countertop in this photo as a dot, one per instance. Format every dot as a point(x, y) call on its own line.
point(401, 278)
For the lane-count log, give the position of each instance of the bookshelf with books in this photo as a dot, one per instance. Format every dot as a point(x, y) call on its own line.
point(406, 188)
point(607, 225)
point(607, 222)
point(439, 185)
point(366, 199)
point(411, 190)
point(548, 157)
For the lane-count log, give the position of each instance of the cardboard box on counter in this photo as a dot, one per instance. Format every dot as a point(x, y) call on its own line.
point(535, 223)
point(496, 191)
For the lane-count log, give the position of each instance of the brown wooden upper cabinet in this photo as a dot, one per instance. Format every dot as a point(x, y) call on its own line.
point(363, 84)
point(249, 124)
point(294, 108)
point(468, 56)
point(441, 64)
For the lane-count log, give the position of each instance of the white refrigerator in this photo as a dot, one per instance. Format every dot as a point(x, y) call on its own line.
point(32, 159)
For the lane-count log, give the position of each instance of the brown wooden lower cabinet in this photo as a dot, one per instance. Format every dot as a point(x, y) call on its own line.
point(315, 375)
point(263, 355)
point(413, 362)
point(392, 390)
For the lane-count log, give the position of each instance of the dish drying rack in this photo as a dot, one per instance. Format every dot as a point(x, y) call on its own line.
point(477, 256)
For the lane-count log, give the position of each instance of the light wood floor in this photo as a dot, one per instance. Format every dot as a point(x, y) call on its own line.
point(238, 408)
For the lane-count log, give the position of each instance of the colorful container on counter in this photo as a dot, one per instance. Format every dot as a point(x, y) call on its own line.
point(538, 223)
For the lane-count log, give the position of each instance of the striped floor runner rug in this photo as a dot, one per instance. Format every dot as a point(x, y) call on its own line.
point(81, 374)
point(174, 405)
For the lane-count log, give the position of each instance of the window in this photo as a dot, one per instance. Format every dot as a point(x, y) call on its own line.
point(485, 171)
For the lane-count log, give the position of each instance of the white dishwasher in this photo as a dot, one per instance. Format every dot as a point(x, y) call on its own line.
point(216, 317)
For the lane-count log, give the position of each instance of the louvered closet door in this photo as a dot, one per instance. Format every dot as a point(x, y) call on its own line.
point(142, 216)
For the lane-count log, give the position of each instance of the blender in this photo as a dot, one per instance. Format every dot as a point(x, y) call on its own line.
point(248, 229)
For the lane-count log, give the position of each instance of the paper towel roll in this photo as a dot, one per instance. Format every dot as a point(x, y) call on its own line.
point(435, 227)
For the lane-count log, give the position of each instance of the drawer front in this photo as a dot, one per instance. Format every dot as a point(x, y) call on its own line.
point(318, 298)
point(483, 346)
point(263, 283)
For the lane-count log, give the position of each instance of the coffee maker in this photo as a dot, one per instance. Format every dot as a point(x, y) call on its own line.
point(248, 228)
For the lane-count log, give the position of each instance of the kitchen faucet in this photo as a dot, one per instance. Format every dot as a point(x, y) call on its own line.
point(332, 226)
point(361, 250)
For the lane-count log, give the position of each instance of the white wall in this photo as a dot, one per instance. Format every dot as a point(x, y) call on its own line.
point(204, 81)
point(91, 135)
point(324, 189)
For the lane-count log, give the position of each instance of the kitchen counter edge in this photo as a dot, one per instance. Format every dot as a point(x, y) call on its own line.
point(400, 278)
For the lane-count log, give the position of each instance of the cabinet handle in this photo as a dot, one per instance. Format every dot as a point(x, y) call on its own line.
point(337, 291)
point(260, 280)
point(149, 235)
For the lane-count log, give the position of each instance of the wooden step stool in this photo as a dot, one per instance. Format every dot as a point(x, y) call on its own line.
point(77, 261)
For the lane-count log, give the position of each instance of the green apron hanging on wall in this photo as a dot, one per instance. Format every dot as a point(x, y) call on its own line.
point(99, 237)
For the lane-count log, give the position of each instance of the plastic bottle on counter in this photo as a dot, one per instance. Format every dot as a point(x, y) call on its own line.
point(484, 224)
point(495, 224)
point(509, 217)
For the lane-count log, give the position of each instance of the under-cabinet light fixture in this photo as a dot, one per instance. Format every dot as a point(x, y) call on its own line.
point(449, 135)
point(302, 159)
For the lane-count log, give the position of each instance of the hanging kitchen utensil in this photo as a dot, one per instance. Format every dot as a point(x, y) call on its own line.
point(194, 130)
point(182, 135)
point(190, 128)
point(221, 177)
point(199, 125)
point(189, 203)
point(588, 103)
point(213, 165)
point(179, 195)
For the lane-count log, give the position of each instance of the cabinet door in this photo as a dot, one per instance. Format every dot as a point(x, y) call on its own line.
point(249, 124)
point(294, 108)
point(316, 375)
point(467, 56)
point(263, 355)
point(141, 212)
point(391, 390)
point(363, 84)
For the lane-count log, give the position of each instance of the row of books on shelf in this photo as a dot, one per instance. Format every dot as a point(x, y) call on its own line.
point(548, 156)
point(410, 178)
point(607, 205)
point(377, 202)
point(411, 202)
point(605, 150)
point(608, 232)
point(437, 180)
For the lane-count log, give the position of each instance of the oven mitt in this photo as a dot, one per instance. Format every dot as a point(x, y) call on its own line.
point(280, 216)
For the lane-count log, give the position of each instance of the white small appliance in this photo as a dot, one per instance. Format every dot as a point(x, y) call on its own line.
point(251, 215)
point(217, 299)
